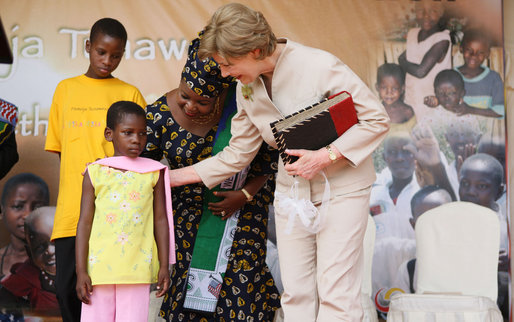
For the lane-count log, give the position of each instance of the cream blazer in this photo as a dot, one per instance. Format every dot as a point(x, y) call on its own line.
point(303, 76)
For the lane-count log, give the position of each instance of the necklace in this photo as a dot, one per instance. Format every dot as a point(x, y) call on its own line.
point(204, 119)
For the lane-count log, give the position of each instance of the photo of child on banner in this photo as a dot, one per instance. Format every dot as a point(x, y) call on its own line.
point(458, 131)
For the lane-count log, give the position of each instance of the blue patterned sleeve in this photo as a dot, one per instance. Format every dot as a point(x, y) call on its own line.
point(265, 162)
point(155, 123)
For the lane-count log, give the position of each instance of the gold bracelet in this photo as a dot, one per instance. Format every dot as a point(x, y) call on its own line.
point(331, 155)
point(249, 197)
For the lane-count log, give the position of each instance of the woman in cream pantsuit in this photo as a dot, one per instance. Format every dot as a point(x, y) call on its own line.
point(321, 271)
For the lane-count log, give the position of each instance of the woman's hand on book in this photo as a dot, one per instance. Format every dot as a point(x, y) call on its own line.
point(310, 163)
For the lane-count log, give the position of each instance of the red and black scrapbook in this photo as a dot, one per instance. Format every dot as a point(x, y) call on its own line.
point(315, 126)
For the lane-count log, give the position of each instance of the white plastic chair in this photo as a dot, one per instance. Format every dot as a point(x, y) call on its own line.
point(370, 312)
point(457, 263)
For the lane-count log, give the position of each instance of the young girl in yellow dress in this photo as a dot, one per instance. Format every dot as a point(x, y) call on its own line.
point(122, 236)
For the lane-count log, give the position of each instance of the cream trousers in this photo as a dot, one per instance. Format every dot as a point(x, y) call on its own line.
point(322, 272)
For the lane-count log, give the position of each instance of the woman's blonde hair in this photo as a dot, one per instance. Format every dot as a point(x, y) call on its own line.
point(234, 31)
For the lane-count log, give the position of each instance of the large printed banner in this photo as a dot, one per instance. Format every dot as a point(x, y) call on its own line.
point(445, 88)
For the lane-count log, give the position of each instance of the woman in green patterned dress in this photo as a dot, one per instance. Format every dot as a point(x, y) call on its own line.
point(221, 232)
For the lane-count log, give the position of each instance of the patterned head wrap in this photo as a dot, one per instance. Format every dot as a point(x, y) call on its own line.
point(203, 76)
point(8, 119)
point(8, 113)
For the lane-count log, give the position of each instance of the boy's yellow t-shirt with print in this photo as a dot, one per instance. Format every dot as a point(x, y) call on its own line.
point(122, 247)
point(76, 127)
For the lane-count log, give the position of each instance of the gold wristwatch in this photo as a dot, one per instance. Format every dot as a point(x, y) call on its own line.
point(249, 197)
point(331, 155)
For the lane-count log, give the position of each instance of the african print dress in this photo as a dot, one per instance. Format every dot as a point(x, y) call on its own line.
point(248, 291)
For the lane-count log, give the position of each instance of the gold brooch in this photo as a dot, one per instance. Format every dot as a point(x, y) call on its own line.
point(247, 92)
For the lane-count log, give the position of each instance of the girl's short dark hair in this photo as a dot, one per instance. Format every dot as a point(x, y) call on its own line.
point(118, 109)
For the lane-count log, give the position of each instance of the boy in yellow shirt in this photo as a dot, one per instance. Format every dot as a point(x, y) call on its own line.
point(76, 133)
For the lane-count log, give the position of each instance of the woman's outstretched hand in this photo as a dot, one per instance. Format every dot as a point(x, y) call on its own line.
point(183, 176)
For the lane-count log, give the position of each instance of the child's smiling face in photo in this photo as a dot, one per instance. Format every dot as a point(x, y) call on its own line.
point(390, 90)
point(474, 53)
point(428, 15)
